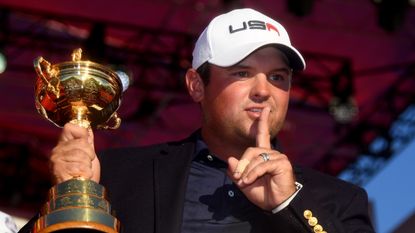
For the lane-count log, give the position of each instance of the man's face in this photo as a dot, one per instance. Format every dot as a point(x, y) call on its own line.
point(235, 96)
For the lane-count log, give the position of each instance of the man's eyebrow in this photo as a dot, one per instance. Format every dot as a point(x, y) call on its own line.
point(238, 66)
point(283, 69)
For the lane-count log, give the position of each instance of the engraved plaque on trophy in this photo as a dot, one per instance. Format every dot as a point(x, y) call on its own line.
point(87, 94)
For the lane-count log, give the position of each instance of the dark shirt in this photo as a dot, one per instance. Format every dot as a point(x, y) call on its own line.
point(212, 202)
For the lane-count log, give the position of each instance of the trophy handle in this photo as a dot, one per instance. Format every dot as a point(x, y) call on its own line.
point(115, 119)
point(42, 66)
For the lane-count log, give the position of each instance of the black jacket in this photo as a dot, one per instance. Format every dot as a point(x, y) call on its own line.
point(146, 187)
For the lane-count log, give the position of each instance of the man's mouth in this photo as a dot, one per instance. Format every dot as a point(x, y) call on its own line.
point(255, 109)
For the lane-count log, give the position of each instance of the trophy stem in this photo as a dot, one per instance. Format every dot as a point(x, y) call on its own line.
point(80, 115)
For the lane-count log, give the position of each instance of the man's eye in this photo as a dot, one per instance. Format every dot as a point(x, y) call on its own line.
point(242, 74)
point(277, 77)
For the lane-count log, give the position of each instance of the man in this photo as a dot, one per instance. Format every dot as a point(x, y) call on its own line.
point(226, 177)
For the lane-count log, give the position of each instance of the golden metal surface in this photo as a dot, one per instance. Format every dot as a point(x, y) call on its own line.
point(312, 221)
point(87, 94)
point(77, 204)
point(76, 200)
point(77, 218)
point(318, 228)
point(81, 92)
point(308, 214)
point(76, 55)
point(77, 186)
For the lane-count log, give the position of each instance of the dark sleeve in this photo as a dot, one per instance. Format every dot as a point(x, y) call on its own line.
point(339, 207)
point(340, 215)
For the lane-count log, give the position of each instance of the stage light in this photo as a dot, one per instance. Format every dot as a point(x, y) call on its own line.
point(343, 106)
point(3, 62)
point(4, 36)
point(125, 78)
point(343, 110)
point(124, 73)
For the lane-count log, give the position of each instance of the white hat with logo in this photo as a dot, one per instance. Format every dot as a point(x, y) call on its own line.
point(231, 37)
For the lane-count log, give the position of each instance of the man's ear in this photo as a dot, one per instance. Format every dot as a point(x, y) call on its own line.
point(195, 85)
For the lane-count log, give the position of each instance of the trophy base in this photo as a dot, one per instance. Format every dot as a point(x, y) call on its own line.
point(72, 230)
point(77, 230)
point(77, 219)
point(77, 205)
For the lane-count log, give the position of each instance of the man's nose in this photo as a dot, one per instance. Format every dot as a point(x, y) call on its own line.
point(260, 90)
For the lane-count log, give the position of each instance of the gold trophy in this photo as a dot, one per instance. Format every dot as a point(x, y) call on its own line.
point(87, 94)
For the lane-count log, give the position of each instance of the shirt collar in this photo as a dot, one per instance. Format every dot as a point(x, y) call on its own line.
point(204, 156)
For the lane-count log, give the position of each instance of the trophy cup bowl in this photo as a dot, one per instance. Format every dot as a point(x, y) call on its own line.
point(87, 94)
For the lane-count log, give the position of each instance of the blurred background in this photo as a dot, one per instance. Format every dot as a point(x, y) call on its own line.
point(351, 114)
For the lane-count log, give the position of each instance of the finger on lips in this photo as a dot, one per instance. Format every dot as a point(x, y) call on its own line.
point(250, 158)
point(263, 136)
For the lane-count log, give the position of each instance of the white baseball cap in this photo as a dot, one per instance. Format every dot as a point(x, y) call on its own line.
point(231, 37)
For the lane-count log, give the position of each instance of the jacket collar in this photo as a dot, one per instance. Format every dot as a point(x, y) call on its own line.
point(171, 171)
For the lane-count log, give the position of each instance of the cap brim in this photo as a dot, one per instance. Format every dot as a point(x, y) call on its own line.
point(237, 54)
